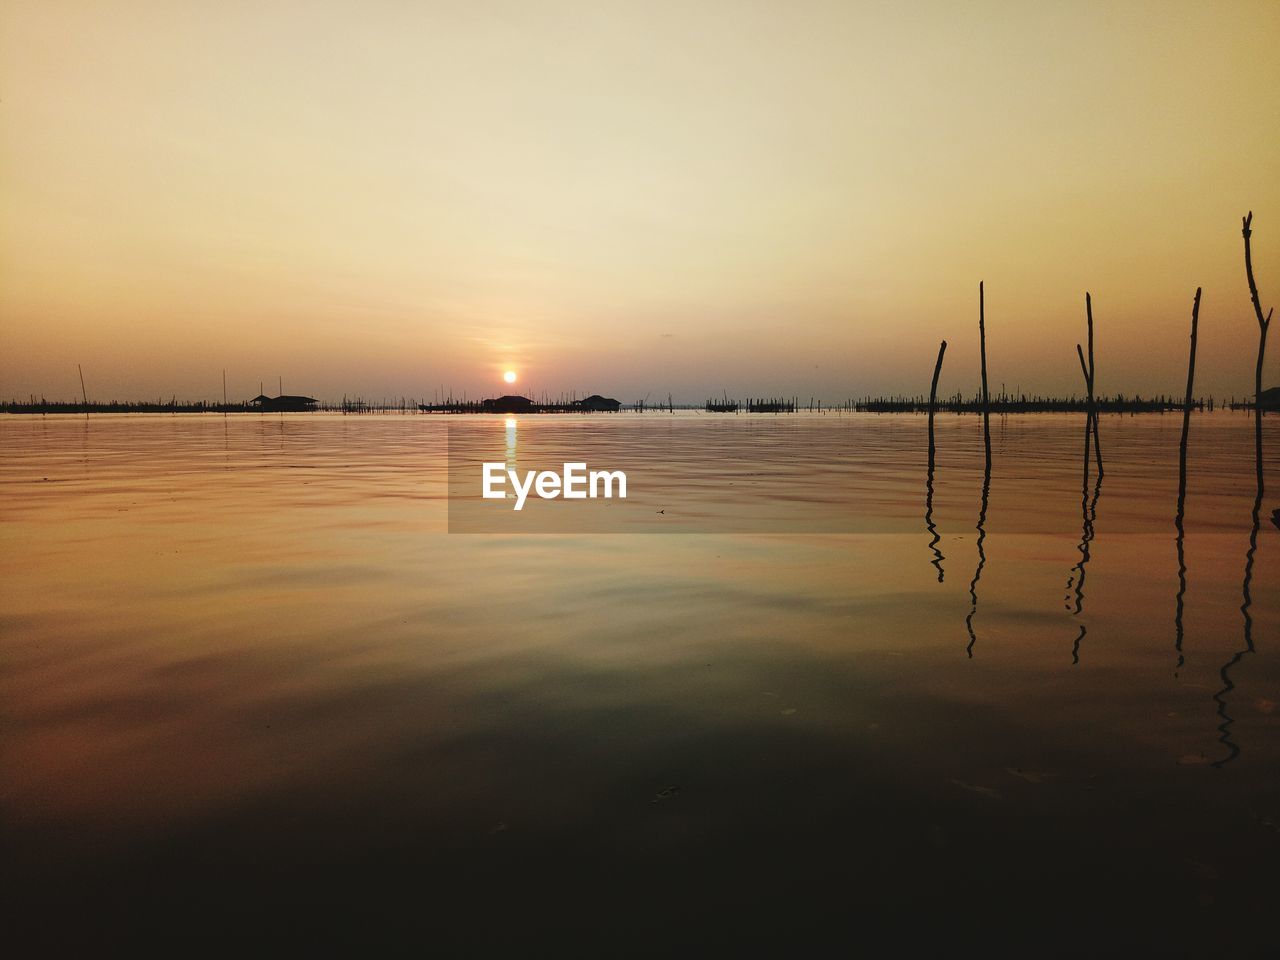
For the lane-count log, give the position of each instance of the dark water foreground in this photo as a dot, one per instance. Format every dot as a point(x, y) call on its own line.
point(252, 697)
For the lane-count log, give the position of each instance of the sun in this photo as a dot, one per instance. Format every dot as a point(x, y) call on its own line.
point(509, 376)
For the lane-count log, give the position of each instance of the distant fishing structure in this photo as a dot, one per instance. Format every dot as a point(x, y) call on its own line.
point(723, 405)
point(514, 403)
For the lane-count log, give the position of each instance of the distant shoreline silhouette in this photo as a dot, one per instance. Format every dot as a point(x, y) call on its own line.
point(999, 403)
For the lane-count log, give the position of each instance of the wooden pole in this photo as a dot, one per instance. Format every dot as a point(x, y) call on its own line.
point(1093, 371)
point(83, 393)
point(1087, 369)
point(1186, 408)
point(933, 399)
point(1179, 516)
point(982, 344)
point(1263, 325)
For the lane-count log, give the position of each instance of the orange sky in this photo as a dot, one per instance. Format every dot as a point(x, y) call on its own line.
point(383, 197)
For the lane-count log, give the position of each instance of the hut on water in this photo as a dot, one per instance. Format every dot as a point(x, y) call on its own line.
point(598, 404)
point(508, 404)
point(283, 404)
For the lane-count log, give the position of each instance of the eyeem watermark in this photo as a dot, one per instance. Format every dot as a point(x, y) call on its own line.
point(574, 482)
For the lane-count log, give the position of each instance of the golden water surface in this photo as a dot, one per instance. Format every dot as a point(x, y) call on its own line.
point(253, 691)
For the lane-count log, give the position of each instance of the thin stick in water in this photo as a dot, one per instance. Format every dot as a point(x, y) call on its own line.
point(1186, 407)
point(83, 393)
point(982, 344)
point(1263, 324)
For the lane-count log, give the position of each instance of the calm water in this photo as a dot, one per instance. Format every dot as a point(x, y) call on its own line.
point(253, 692)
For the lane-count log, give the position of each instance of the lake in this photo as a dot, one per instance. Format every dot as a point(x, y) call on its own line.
point(272, 681)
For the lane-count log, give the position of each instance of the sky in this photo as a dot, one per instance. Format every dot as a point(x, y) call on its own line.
point(394, 198)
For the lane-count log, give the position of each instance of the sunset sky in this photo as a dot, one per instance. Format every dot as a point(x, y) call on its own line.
point(382, 198)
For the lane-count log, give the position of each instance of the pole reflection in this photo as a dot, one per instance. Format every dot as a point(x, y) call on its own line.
point(1224, 728)
point(930, 525)
point(1187, 405)
point(1182, 583)
point(1088, 518)
point(982, 558)
point(928, 485)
